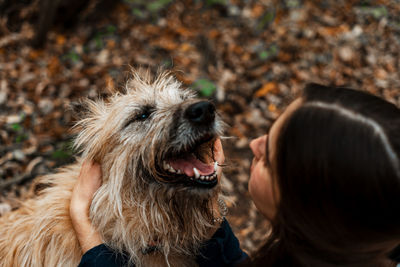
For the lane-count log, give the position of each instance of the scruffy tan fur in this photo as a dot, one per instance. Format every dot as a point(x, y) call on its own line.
point(136, 205)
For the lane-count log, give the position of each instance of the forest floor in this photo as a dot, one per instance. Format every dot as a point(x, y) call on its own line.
point(250, 57)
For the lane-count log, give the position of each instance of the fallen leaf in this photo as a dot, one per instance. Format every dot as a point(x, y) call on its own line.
point(265, 89)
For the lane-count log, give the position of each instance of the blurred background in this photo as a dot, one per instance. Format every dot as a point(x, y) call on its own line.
point(250, 57)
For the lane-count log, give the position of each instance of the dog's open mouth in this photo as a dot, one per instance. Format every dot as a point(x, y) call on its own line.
point(197, 163)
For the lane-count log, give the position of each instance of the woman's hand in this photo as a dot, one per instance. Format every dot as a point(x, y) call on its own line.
point(89, 180)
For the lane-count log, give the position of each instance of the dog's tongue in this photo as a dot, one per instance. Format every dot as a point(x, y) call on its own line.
point(187, 164)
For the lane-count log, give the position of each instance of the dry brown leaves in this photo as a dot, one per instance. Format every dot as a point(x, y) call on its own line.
point(256, 53)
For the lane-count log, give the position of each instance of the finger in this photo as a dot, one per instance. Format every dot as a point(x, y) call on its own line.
point(89, 169)
point(94, 178)
point(88, 182)
point(90, 178)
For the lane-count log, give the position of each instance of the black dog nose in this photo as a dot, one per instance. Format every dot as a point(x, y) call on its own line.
point(201, 112)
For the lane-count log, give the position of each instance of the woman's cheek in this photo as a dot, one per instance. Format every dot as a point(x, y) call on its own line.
point(260, 189)
point(256, 183)
point(253, 164)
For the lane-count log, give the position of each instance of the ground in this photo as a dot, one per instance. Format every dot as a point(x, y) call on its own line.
point(249, 57)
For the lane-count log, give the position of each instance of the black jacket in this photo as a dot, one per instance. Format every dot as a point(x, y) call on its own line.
point(222, 249)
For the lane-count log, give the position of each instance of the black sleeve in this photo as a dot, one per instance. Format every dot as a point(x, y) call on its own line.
point(223, 249)
point(102, 256)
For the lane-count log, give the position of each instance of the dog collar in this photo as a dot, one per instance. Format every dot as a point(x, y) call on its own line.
point(149, 249)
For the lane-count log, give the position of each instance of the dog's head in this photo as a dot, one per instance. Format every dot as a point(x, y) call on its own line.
point(153, 133)
point(155, 143)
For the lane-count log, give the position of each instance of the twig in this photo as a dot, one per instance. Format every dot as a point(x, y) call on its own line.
point(26, 33)
point(16, 180)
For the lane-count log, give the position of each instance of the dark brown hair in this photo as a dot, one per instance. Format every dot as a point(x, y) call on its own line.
point(338, 172)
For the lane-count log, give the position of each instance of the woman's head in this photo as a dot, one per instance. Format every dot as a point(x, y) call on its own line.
point(262, 186)
point(335, 175)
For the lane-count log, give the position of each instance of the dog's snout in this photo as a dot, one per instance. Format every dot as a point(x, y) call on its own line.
point(201, 112)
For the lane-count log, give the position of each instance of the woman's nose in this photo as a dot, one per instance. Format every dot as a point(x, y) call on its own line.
point(258, 145)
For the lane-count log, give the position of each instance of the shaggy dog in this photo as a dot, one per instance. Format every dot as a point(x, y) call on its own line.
point(158, 200)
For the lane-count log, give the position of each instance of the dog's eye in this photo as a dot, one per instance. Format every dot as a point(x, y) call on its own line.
point(144, 115)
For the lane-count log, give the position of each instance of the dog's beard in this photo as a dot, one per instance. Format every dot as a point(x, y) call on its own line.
point(159, 212)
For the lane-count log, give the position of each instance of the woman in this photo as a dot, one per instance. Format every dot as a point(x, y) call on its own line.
point(327, 177)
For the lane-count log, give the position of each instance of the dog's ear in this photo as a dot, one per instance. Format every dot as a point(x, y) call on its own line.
point(80, 109)
point(111, 89)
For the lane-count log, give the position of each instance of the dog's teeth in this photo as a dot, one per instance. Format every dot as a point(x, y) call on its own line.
point(165, 165)
point(202, 177)
point(215, 166)
point(179, 171)
point(196, 173)
point(172, 169)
